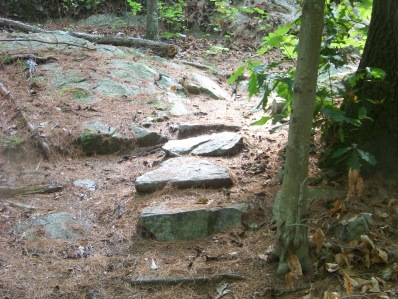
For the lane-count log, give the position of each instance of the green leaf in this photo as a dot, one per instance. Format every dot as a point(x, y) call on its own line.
point(284, 89)
point(276, 39)
point(272, 130)
point(375, 73)
point(362, 113)
point(239, 72)
point(261, 121)
point(354, 162)
point(341, 151)
point(354, 78)
point(367, 157)
point(341, 134)
point(253, 85)
point(365, 8)
point(337, 115)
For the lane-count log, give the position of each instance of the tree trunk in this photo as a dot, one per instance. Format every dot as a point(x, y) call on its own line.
point(379, 136)
point(292, 214)
point(152, 20)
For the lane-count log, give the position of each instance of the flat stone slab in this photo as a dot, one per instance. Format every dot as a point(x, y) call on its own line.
point(146, 137)
point(210, 87)
point(215, 145)
point(85, 183)
point(355, 227)
point(102, 139)
point(191, 130)
point(198, 84)
point(62, 225)
point(184, 173)
point(170, 223)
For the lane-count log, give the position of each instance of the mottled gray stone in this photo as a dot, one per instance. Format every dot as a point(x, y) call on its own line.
point(55, 40)
point(60, 79)
point(85, 183)
point(170, 224)
point(190, 130)
point(62, 225)
point(111, 88)
point(220, 144)
point(355, 227)
point(137, 71)
point(172, 102)
point(112, 50)
point(145, 137)
point(105, 20)
point(184, 173)
point(177, 104)
point(161, 117)
point(99, 138)
point(277, 104)
point(166, 82)
point(201, 84)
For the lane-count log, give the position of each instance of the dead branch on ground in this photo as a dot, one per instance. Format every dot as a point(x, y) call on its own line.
point(177, 280)
point(159, 48)
point(24, 190)
point(20, 205)
point(201, 66)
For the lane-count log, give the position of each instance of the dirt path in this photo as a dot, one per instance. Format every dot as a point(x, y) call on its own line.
point(112, 253)
point(42, 267)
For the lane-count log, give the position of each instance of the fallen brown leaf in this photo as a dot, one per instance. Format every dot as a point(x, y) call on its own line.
point(295, 266)
point(347, 284)
point(355, 184)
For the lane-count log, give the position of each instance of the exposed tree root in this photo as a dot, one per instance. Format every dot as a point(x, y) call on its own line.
point(37, 59)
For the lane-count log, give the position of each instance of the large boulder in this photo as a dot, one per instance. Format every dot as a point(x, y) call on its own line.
point(61, 225)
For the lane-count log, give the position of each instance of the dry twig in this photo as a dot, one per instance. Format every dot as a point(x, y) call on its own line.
point(177, 280)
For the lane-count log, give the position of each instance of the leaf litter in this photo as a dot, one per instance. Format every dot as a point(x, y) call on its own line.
point(104, 264)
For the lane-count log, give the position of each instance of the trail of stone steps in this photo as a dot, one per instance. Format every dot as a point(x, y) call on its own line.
point(184, 222)
point(129, 79)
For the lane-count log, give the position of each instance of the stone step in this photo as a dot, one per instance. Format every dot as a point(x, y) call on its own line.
point(176, 223)
point(191, 130)
point(184, 172)
point(215, 145)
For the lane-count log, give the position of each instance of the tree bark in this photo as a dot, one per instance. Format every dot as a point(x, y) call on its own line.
point(378, 136)
point(292, 236)
point(152, 20)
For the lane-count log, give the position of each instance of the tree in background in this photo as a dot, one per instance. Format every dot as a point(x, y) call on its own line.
point(292, 200)
point(377, 99)
point(152, 20)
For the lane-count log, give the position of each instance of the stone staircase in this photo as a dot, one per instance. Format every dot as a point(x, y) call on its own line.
point(186, 168)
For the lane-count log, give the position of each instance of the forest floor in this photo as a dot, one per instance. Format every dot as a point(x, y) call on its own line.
point(46, 268)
